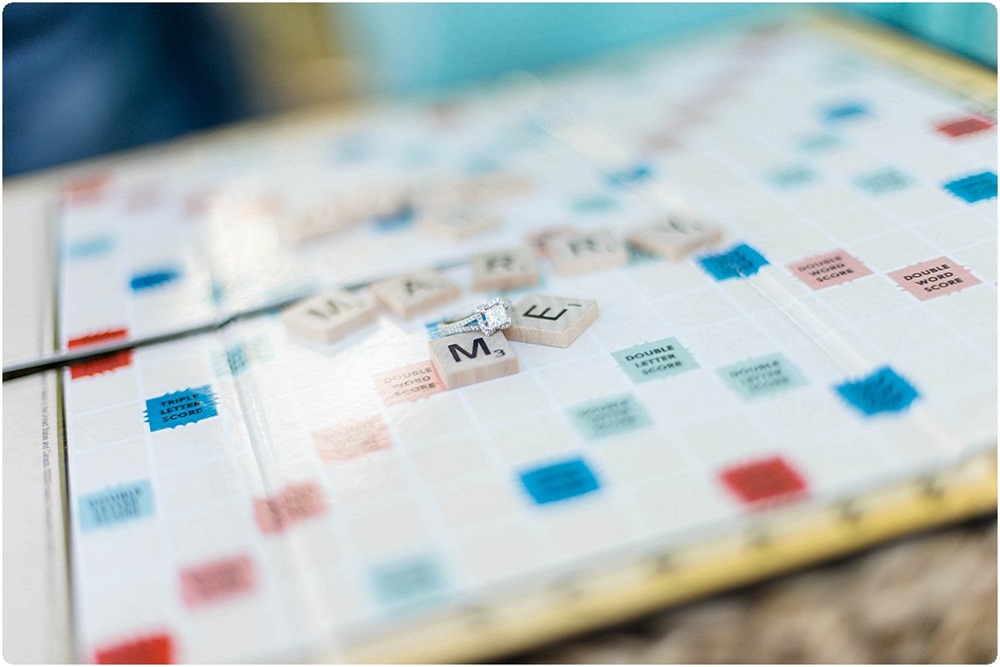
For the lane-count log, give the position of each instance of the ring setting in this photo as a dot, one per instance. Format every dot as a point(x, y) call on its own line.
point(489, 317)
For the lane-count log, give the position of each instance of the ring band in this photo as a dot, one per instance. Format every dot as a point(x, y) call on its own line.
point(488, 318)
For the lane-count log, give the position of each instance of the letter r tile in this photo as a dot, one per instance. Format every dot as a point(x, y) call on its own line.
point(582, 253)
point(505, 269)
point(550, 320)
point(468, 358)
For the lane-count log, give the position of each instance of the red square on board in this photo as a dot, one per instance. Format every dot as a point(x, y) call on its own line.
point(87, 189)
point(102, 364)
point(151, 650)
point(962, 126)
point(766, 480)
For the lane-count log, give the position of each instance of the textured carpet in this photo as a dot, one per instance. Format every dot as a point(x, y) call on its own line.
point(925, 599)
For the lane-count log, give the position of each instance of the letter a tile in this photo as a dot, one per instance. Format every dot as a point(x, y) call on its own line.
point(581, 253)
point(550, 320)
point(415, 293)
point(328, 317)
point(468, 358)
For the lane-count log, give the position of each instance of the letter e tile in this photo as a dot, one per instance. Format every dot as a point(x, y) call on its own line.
point(550, 320)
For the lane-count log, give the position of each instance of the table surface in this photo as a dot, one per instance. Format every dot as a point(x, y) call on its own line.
point(930, 598)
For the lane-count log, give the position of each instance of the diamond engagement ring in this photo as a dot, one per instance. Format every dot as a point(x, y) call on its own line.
point(489, 318)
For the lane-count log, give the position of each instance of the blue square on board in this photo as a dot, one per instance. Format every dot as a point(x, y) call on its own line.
point(559, 481)
point(739, 262)
point(845, 111)
point(401, 219)
point(978, 187)
point(635, 174)
point(882, 391)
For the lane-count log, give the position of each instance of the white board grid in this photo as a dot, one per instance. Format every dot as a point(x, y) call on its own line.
point(336, 513)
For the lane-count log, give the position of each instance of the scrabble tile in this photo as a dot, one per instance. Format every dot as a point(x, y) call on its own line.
point(504, 269)
point(468, 358)
point(380, 200)
point(493, 186)
point(325, 219)
point(414, 293)
point(675, 237)
point(591, 251)
point(328, 317)
point(433, 194)
point(550, 320)
point(345, 210)
point(457, 223)
point(539, 239)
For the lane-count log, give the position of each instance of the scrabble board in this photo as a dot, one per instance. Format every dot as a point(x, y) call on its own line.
point(753, 277)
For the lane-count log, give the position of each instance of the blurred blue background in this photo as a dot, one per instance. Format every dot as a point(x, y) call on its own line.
point(81, 80)
point(413, 47)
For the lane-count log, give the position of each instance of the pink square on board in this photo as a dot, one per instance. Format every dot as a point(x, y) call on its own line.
point(408, 383)
point(269, 515)
point(291, 504)
point(934, 278)
point(217, 580)
point(301, 501)
point(832, 268)
point(352, 439)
